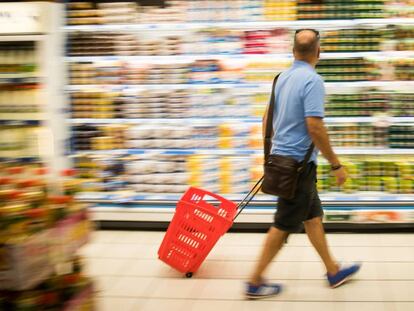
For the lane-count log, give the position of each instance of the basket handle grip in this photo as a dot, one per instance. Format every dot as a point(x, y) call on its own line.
point(204, 193)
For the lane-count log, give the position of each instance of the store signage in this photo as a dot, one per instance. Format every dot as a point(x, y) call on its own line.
point(23, 18)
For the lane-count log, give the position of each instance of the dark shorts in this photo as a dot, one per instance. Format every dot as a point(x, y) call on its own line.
point(306, 204)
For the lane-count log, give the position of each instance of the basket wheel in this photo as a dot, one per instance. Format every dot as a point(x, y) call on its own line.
point(188, 274)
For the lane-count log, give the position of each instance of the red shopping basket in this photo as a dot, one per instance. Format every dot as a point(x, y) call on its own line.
point(197, 225)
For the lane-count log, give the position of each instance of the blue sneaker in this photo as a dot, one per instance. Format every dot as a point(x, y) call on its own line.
point(264, 290)
point(343, 275)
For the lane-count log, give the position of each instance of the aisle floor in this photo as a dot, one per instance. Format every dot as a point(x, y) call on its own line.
point(129, 276)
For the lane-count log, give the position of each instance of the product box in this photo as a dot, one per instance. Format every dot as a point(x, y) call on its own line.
point(25, 262)
point(69, 235)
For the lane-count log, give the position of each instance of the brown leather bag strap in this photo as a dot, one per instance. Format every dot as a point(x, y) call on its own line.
point(269, 120)
point(309, 153)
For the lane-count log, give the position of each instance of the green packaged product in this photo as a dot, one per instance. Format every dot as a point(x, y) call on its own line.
point(390, 184)
point(406, 186)
point(338, 217)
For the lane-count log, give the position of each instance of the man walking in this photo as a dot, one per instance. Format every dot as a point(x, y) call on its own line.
point(297, 122)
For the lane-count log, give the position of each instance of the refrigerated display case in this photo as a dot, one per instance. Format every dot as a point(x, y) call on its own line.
point(171, 96)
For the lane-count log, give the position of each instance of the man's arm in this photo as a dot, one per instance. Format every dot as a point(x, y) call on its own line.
point(320, 138)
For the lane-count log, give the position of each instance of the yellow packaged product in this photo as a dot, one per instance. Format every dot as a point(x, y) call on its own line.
point(13, 214)
point(194, 165)
point(405, 169)
point(406, 186)
point(70, 185)
point(225, 142)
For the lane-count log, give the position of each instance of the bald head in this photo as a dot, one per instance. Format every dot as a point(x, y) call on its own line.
point(306, 45)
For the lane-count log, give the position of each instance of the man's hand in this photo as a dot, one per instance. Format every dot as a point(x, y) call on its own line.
point(341, 175)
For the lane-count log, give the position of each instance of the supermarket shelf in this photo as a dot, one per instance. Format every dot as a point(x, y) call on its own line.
point(368, 119)
point(208, 120)
point(370, 84)
point(180, 58)
point(140, 87)
point(385, 21)
point(157, 198)
point(338, 207)
point(153, 209)
point(22, 37)
point(172, 152)
point(241, 25)
point(13, 116)
point(260, 227)
point(258, 57)
point(252, 86)
point(20, 159)
point(19, 75)
point(345, 214)
point(19, 122)
point(218, 120)
point(373, 151)
point(19, 80)
point(341, 151)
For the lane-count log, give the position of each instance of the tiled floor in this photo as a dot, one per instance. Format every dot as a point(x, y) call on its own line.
point(129, 276)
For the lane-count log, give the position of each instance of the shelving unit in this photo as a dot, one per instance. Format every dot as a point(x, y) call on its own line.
point(36, 24)
point(125, 206)
point(41, 230)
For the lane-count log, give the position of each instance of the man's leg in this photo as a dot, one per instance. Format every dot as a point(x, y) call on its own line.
point(316, 233)
point(274, 242)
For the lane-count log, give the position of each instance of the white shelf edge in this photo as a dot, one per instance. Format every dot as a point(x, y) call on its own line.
point(169, 120)
point(130, 87)
point(338, 150)
point(248, 215)
point(329, 120)
point(392, 120)
point(372, 151)
point(20, 37)
point(111, 213)
point(165, 214)
point(354, 197)
point(241, 25)
point(287, 56)
point(181, 57)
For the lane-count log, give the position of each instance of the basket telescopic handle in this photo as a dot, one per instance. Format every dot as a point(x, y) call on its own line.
point(243, 203)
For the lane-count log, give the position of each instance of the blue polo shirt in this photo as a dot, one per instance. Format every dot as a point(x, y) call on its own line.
point(299, 93)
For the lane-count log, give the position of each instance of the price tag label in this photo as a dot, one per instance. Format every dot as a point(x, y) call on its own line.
point(382, 120)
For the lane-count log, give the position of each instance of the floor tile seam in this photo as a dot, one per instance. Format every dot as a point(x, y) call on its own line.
point(248, 260)
point(359, 279)
point(259, 245)
point(264, 300)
